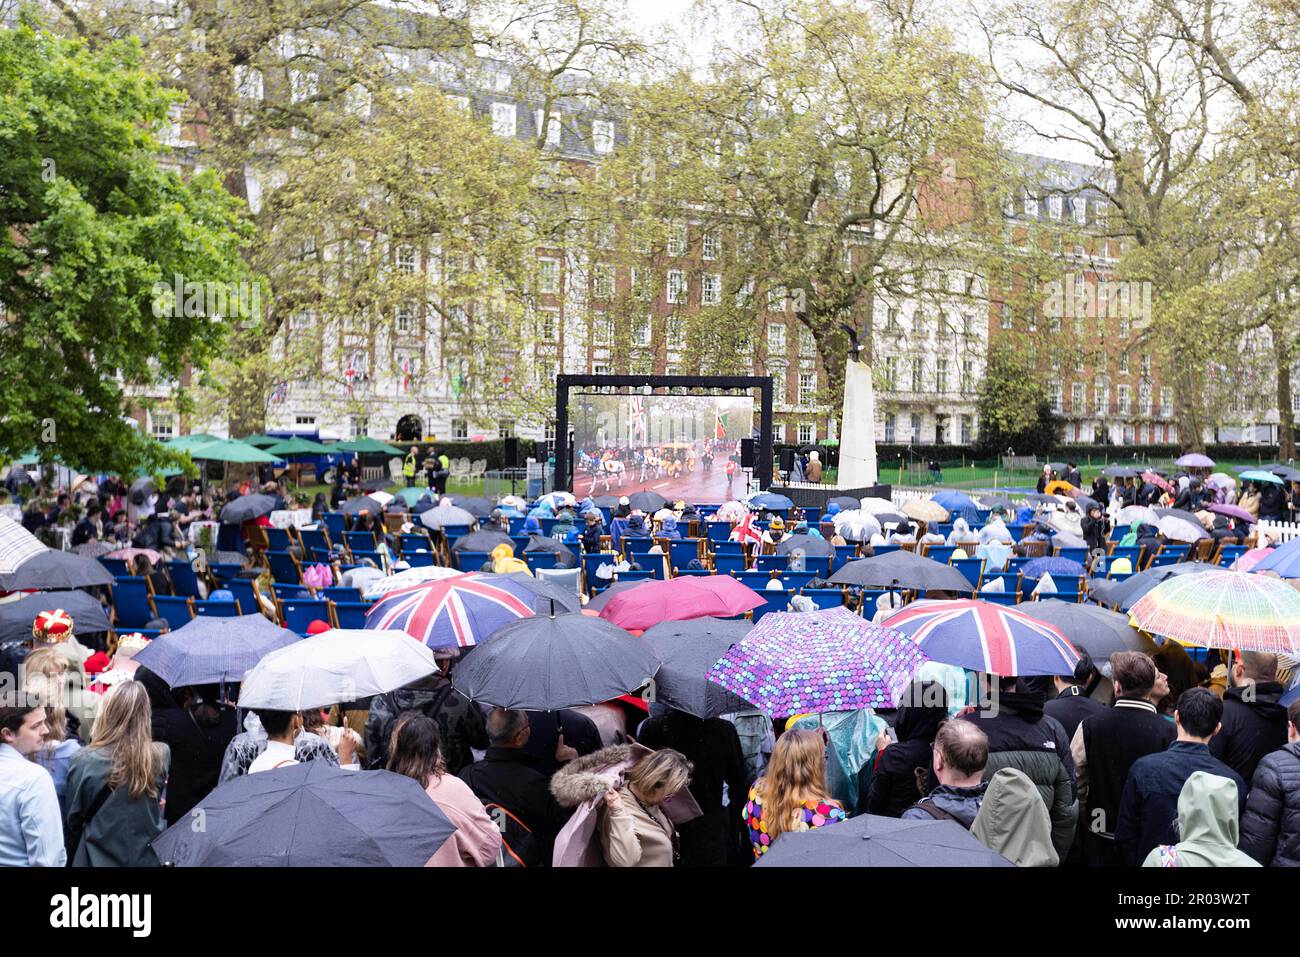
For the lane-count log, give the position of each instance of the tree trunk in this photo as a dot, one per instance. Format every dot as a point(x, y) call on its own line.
point(1285, 417)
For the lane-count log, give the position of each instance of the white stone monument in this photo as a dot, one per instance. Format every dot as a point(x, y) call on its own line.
point(858, 428)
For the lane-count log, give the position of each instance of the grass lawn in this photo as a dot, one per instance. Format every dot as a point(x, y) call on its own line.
point(981, 477)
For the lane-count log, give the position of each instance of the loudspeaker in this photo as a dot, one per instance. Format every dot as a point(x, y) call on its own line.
point(512, 453)
point(787, 460)
point(746, 453)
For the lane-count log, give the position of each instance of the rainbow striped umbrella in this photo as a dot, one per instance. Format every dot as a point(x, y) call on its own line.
point(1223, 609)
point(985, 637)
point(453, 612)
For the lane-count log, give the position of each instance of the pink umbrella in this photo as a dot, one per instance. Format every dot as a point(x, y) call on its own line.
point(1248, 560)
point(128, 554)
point(1157, 481)
point(680, 599)
point(1232, 511)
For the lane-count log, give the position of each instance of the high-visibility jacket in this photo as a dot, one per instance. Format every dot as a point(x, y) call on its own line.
point(408, 467)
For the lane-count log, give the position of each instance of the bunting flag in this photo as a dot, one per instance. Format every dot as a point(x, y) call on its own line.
point(720, 425)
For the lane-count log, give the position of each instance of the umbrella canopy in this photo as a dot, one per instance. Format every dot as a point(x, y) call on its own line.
point(1119, 471)
point(383, 498)
point(1066, 521)
point(881, 506)
point(188, 441)
point(1286, 472)
point(1247, 561)
point(310, 815)
point(869, 840)
point(476, 506)
point(686, 651)
point(1232, 511)
point(246, 508)
point(412, 495)
point(606, 501)
point(810, 545)
point(1085, 502)
point(1136, 513)
point(17, 545)
point(288, 448)
point(845, 502)
point(441, 516)
point(230, 450)
point(728, 511)
point(453, 612)
point(558, 500)
point(483, 540)
point(832, 660)
point(985, 637)
point(1284, 561)
point(1052, 566)
point(925, 510)
point(1223, 609)
point(680, 599)
point(604, 598)
point(364, 445)
point(259, 440)
point(94, 549)
point(857, 525)
point(1257, 475)
point(769, 500)
point(336, 665)
point(551, 662)
point(648, 502)
point(1039, 498)
point(1179, 529)
point(51, 569)
point(362, 503)
point(16, 617)
point(1090, 628)
point(902, 569)
point(550, 595)
point(564, 557)
point(1222, 480)
point(957, 503)
point(1068, 539)
point(408, 578)
point(1124, 594)
point(1194, 460)
point(1158, 481)
point(998, 501)
point(208, 650)
point(1059, 488)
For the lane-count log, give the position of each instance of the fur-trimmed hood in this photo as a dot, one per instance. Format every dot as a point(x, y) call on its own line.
point(588, 777)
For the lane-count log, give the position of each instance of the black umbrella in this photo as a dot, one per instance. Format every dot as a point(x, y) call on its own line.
point(374, 485)
point(548, 592)
point(50, 569)
point(686, 651)
point(483, 540)
point(901, 569)
point(422, 506)
point(399, 504)
point(1058, 466)
point(811, 545)
point(1089, 628)
point(1126, 593)
point(1086, 502)
point(873, 841)
point(16, 617)
point(208, 650)
point(309, 815)
point(1039, 497)
point(363, 503)
point(647, 501)
point(599, 602)
point(246, 508)
point(478, 507)
point(547, 663)
point(845, 502)
point(996, 501)
point(564, 557)
point(605, 501)
point(94, 549)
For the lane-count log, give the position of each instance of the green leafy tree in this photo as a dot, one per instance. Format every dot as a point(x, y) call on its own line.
point(1014, 413)
point(91, 220)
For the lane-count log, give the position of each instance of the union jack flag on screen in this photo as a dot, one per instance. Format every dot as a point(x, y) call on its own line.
point(637, 416)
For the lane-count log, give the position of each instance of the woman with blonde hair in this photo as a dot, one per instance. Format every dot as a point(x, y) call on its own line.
point(45, 677)
point(792, 795)
point(115, 784)
point(634, 830)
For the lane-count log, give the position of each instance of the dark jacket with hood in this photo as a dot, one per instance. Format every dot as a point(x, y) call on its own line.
point(1270, 828)
point(510, 778)
point(961, 804)
point(1251, 729)
point(1023, 737)
point(461, 721)
point(1272, 501)
point(1094, 531)
point(1070, 707)
point(1223, 531)
point(894, 785)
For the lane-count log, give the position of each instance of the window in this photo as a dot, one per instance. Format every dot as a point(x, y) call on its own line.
point(602, 136)
point(304, 420)
point(552, 127)
point(941, 374)
point(599, 368)
point(548, 325)
point(640, 283)
point(677, 240)
point(776, 297)
point(807, 433)
point(1146, 363)
point(778, 384)
point(916, 427)
point(1144, 398)
point(1166, 401)
point(711, 290)
point(549, 276)
point(459, 429)
point(776, 338)
point(1054, 205)
point(711, 245)
point(676, 334)
point(545, 370)
point(505, 428)
point(967, 375)
point(1122, 392)
point(918, 322)
point(359, 425)
point(965, 430)
point(889, 427)
point(1005, 310)
point(807, 344)
point(1078, 360)
point(300, 320)
point(1080, 210)
point(1128, 435)
point(1101, 394)
point(676, 286)
point(248, 83)
point(404, 317)
point(604, 236)
point(405, 260)
point(807, 387)
point(745, 294)
point(1125, 326)
point(1054, 395)
point(918, 374)
point(778, 433)
point(1030, 205)
point(1123, 364)
point(641, 330)
point(1078, 398)
point(604, 281)
point(604, 326)
point(162, 426)
point(891, 373)
point(504, 119)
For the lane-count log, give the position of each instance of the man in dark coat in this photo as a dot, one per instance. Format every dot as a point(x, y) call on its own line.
point(1023, 737)
point(1270, 828)
point(87, 530)
point(1106, 745)
point(1148, 809)
point(894, 783)
point(1224, 532)
point(1127, 492)
point(1094, 529)
point(459, 719)
point(1254, 721)
point(1072, 702)
point(159, 533)
point(1272, 502)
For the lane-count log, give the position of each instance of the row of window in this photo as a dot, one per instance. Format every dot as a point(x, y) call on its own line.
point(941, 427)
point(1101, 398)
point(805, 432)
point(1148, 434)
point(1056, 207)
point(893, 380)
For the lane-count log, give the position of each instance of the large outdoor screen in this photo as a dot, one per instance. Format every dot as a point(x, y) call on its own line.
point(676, 445)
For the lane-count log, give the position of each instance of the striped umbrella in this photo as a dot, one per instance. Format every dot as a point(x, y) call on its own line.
point(453, 612)
point(17, 545)
point(985, 637)
point(1223, 609)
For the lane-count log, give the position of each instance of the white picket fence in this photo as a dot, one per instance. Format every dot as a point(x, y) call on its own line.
point(1279, 532)
point(903, 494)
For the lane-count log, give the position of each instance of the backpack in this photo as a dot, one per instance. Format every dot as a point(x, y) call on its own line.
point(519, 845)
point(429, 709)
point(936, 812)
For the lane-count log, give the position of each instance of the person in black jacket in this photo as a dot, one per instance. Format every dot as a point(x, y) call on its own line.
point(1023, 737)
point(1072, 702)
point(197, 735)
point(1106, 745)
point(1254, 721)
point(1148, 809)
point(712, 745)
point(1272, 502)
point(1127, 492)
point(159, 533)
point(591, 532)
point(1223, 531)
point(903, 773)
point(1094, 529)
point(459, 719)
point(1270, 828)
point(1148, 537)
point(87, 530)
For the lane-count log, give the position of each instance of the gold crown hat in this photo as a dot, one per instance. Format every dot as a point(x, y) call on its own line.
point(52, 627)
point(131, 643)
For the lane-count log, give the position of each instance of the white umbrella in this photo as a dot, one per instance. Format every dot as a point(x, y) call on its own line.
point(1222, 480)
point(558, 500)
point(875, 506)
point(383, 498)
point(17, 545)
point(732, 512)
point(334, 666)
point(1069, 522)
point(1181, 529)
point(412, 576)
point(856, 524)
point(1136, 513)
point(444, 515)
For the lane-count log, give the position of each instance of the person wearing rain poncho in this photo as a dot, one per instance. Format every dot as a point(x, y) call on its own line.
point(503, 561)
point(1013, 822)
point(961, 533)
point(669, 528)
point(1207, 827)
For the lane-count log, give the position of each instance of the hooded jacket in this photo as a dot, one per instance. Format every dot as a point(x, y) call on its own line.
point(504, 561)
point(894, 786)
point(1270, 828)
point(1207, 825)
point(1013, 822)
point(962, 804)
point(1251, 729)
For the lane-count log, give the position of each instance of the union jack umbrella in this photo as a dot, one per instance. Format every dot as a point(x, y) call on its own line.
point(453, 612)
point(985, 637)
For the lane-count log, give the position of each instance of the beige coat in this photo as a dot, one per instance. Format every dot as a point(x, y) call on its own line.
point(630, 837)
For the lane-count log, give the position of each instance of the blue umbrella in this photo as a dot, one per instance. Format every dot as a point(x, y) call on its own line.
point(770, 500)
point(1284, 560)
point(309, 815)
point(959, 503)
point(209, 650)
point(1255, 475)
point(1052, 566)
